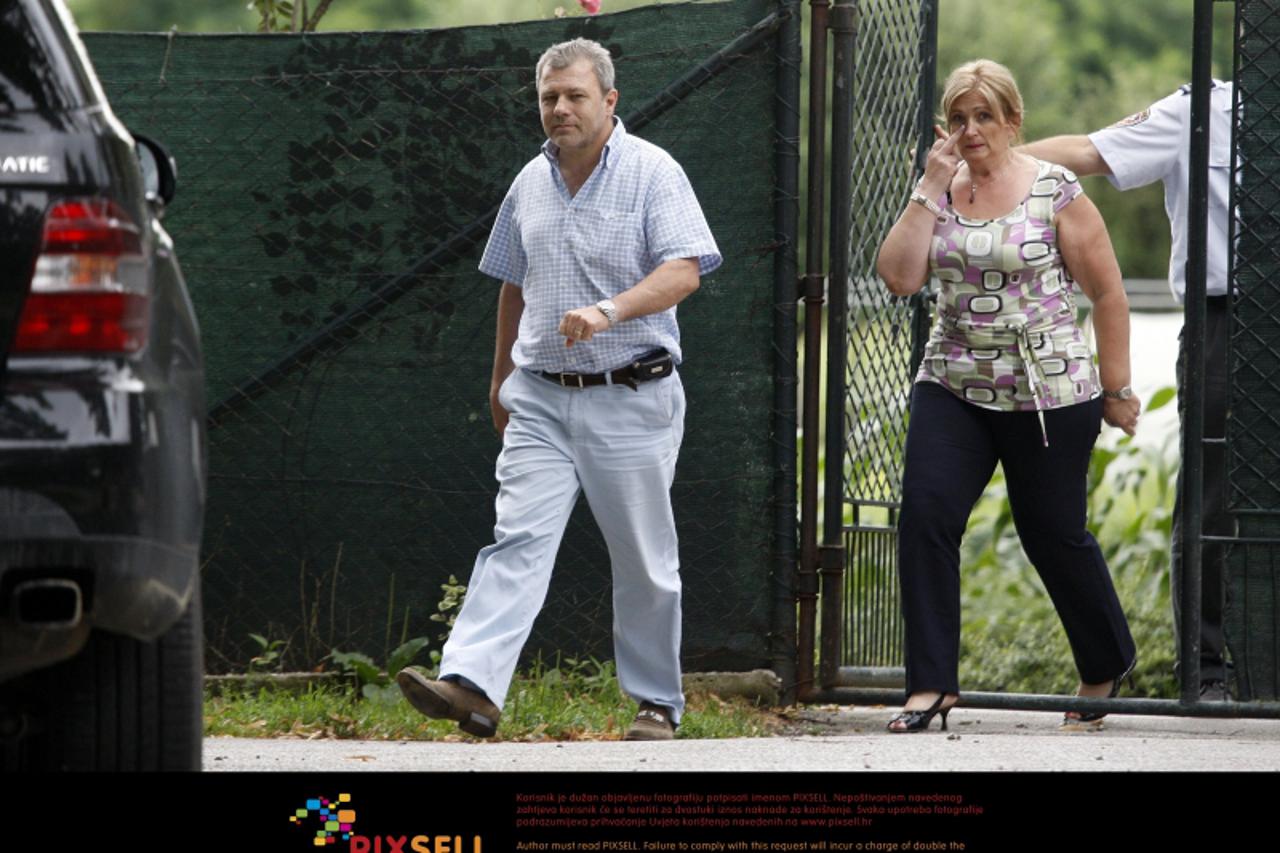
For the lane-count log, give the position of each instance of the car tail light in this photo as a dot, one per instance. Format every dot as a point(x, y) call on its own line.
point(89, 292)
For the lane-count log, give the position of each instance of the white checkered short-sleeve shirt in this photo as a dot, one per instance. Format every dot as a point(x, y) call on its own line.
point(636, 212)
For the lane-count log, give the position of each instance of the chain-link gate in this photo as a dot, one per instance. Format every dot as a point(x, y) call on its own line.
point(891, 111)
point(882, 96)
point(335, 193)
point(1252, 615)
point(883, 82)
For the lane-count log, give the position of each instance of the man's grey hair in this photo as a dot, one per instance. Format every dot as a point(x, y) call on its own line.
point(566, 53)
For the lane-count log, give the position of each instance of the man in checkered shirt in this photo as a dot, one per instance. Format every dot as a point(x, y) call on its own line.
point(598, 239)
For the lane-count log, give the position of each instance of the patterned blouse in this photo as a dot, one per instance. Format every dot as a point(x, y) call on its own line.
point(1006, 336)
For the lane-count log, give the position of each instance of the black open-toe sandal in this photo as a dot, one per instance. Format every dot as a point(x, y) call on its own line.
point(1072, 718)
point(918, 721)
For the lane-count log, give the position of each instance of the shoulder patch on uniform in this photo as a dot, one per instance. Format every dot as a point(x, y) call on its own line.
point(1136, 118)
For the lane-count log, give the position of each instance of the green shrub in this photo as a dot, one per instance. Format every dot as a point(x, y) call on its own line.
point(1011, 639)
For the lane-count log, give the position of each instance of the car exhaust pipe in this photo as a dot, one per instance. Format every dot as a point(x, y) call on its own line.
point(47, 604)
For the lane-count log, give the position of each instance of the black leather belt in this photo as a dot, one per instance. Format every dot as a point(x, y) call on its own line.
point(646, 368)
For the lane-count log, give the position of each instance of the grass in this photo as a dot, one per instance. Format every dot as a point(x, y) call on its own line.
point(1012, 640)
point(578, 700)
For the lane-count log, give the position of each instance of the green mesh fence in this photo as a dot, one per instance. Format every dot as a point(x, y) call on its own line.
point(335, 192)
point(1252, 617)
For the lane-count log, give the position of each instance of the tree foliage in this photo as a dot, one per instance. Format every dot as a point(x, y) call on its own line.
point(1081, 64)
point(248, 15)
point(276, 16)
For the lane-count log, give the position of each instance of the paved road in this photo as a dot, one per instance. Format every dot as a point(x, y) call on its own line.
point(836, 740)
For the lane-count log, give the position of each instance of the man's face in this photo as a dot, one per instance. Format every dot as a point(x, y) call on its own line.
point(575, 113)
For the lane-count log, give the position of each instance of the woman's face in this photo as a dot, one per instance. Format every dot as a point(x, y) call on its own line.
point(986, 134)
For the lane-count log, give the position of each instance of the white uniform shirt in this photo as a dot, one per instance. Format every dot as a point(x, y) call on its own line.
point(1155, 145)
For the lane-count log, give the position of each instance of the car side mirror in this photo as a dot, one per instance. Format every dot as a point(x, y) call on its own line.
point(159, 169)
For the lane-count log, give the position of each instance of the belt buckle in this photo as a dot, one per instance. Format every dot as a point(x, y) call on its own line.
point(577, 376)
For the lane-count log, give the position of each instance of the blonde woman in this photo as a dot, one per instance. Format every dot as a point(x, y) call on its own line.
point(1008, 377)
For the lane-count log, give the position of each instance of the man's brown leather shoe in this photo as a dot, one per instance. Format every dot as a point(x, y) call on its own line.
point(445, 700)
point(652, 722)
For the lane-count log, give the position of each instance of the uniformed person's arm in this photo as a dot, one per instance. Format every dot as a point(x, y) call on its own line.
point(510, 309)
point(1086, 250)
point(1077, 153)
point(1148, 146)
point(668, 285)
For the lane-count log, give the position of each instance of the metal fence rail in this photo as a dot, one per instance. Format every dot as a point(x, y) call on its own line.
point(335, 192)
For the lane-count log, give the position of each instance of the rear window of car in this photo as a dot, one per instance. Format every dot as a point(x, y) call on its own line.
point(29, 68)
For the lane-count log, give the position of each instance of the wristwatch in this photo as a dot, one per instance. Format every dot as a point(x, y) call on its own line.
point(927, 203)
point(1120, 393)
point(609, 310)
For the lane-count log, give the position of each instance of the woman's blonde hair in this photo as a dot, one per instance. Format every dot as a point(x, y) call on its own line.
point(992, 81)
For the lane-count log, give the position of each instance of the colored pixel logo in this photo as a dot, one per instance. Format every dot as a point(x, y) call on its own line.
point(334, 818)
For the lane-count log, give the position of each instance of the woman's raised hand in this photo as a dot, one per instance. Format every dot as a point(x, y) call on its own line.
point(942, 163)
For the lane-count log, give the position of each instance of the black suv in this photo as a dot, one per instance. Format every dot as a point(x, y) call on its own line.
point(102, 435)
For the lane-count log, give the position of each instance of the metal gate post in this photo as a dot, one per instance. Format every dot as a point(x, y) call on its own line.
point(843, 25)
point(921, 305)
point(807, 575)
point(786, 218)
point(1193, 366)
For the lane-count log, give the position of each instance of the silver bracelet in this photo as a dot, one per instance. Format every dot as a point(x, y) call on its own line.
point(926, 202)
